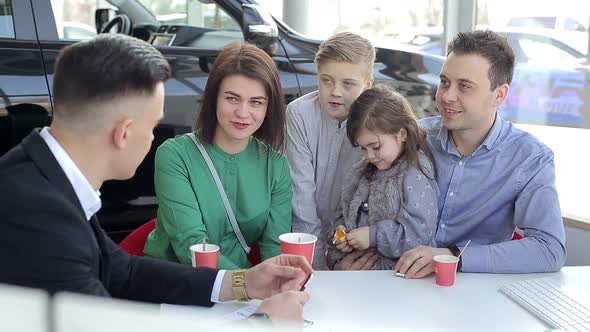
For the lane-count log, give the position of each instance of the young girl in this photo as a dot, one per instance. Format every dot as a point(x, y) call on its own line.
point(389, 198)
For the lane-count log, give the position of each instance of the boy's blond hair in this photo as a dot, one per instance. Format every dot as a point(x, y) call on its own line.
point(347, 47)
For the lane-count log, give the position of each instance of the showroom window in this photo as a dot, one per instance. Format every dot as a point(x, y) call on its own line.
point(550, 93)
point(191, 12)
point(75, 18)
point(383, 22)
point(218, 27)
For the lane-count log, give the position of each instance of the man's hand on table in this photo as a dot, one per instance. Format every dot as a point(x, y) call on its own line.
point(357, 260)
point(286, 307)
point(276, 282)
point(276, 275)
point(418, 262)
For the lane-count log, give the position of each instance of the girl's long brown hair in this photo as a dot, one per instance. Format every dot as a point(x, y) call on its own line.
point(384, 110)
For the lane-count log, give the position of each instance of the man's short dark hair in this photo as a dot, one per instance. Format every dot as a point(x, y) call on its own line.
point(493, 47)
point(104, 68)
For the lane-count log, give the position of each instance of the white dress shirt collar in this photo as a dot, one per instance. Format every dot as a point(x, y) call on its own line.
point(88, 197)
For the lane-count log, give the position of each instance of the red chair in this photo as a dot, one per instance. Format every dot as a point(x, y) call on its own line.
point(254, 255)
point(134, 243)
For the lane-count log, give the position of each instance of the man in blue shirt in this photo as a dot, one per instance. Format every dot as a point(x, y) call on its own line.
point(492, 176)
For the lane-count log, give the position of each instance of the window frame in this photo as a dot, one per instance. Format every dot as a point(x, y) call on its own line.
point(22, 21)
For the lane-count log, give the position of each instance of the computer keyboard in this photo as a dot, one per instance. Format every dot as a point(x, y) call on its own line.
point(544, 298)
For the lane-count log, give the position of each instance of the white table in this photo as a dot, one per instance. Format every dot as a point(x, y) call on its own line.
point(23, 309)
point(379, 299)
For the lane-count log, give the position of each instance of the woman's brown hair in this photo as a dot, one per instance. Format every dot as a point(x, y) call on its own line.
point(241, 58)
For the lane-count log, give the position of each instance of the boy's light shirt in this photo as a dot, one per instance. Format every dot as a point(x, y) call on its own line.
point(314, 145)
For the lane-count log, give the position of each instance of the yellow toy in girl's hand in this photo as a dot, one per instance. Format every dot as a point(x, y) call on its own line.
point(339, 235)
point(340, 240)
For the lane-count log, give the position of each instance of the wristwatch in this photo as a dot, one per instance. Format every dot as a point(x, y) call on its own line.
point(238, 283)
point(455, 250)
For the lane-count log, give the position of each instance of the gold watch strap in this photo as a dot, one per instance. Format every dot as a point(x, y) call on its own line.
point(239, 285)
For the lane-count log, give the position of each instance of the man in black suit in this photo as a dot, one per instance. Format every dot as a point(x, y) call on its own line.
point(108, 97)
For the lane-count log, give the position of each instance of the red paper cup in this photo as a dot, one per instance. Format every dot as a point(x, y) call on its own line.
point(205, 258)
point(301, 244)
point(445, 267)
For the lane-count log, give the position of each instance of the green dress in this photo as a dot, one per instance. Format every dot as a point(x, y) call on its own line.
point(258, 186)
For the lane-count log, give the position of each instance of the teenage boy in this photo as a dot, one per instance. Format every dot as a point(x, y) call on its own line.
point(316, 134)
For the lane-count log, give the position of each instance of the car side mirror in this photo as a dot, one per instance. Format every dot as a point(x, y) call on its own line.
point(102, 16)
point(258, 25)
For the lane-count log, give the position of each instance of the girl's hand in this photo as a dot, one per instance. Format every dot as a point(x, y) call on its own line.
point(342, 245)
point(358, 238)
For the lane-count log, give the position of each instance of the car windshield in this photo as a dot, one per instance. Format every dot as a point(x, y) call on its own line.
point(191, 12)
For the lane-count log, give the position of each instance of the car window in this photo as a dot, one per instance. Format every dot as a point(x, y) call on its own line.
point(533, 22)
point(202, 25)
point(544, 52)
point(571, 24)
point(6, 23)
point(74, 19)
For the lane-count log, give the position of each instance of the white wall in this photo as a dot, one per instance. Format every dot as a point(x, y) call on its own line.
point(577, 243)
point(572, 178)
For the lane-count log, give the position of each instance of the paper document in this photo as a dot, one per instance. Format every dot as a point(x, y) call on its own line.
point(242, 313)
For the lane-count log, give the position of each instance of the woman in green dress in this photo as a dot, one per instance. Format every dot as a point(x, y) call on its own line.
point(242, 127)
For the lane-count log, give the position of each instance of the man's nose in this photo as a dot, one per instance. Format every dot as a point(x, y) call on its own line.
point(450, 94)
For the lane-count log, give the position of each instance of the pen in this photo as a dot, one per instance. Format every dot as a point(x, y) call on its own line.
point(309, 277)
point(399, 274)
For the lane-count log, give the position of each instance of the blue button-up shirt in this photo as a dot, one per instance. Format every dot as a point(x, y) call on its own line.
point(507, 182)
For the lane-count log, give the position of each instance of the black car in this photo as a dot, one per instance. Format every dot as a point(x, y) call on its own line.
point(30, 42)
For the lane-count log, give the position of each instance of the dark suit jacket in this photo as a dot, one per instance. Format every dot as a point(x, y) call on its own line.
point(46, 241)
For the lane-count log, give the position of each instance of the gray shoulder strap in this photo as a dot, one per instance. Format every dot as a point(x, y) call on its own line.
point(228, 209)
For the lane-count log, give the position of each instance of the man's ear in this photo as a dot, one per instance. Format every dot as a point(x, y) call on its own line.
point(500, 94)
point(120, 133)
point(369, 83)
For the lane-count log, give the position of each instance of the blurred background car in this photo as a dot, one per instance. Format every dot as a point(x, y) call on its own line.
point(529, 44)
point(549, 78)
point(549, 22)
